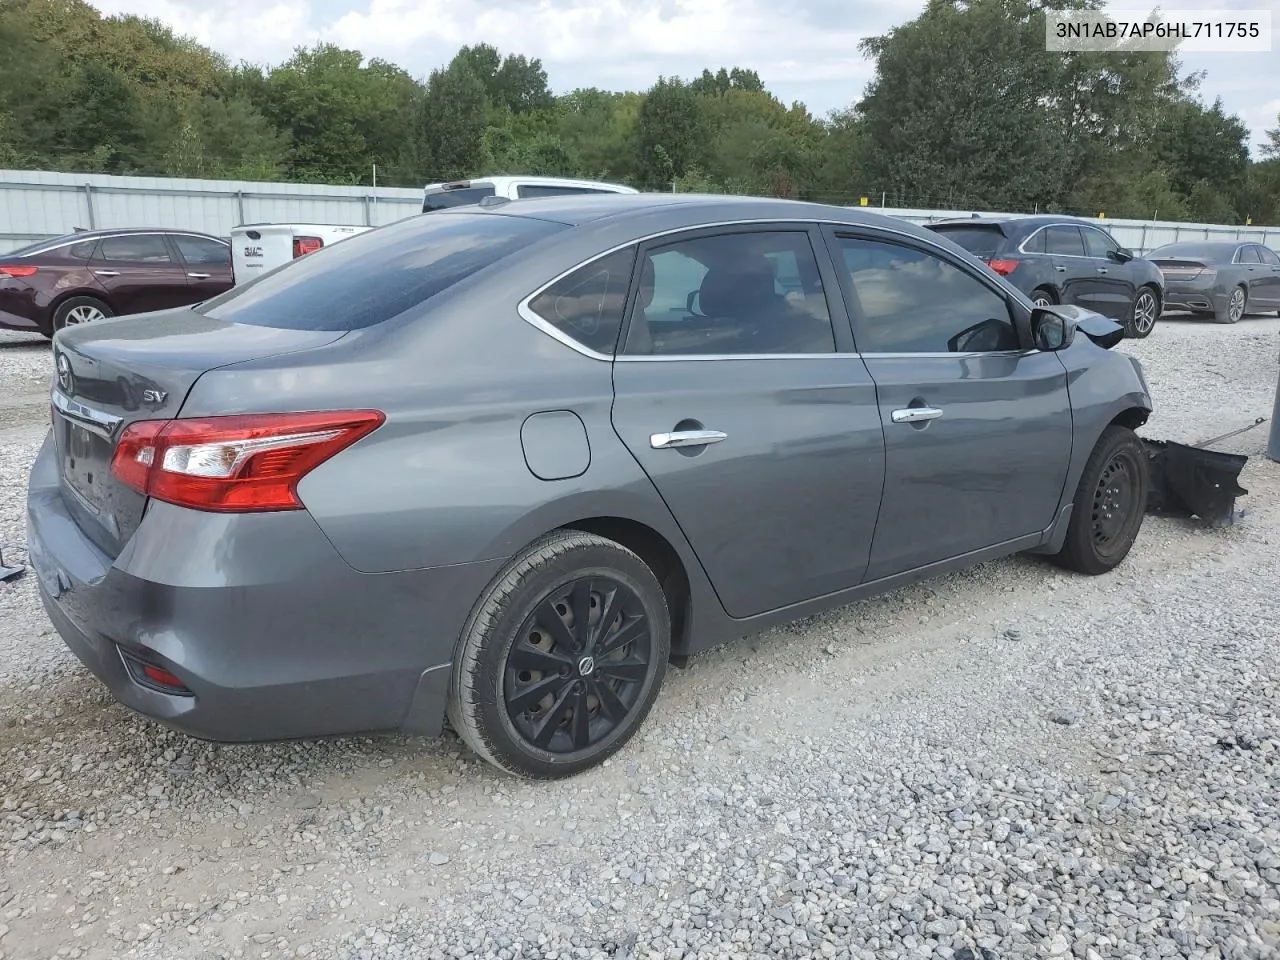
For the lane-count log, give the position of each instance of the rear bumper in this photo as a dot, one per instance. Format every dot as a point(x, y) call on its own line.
point(1193, 296)
point(272, 633)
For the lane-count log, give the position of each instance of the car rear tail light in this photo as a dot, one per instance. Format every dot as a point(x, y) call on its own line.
point(235, 464)
point(304, 245)
point(1002, 265)
point(13, 270)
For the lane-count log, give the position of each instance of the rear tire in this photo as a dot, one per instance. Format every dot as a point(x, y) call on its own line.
point(77, 310)
point(1042, 296)
point(1109, 506)
point(1143, 313)
point(1235, 307)
point(539, 688)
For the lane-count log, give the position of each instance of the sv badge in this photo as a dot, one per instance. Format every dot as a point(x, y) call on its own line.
point(154, 396)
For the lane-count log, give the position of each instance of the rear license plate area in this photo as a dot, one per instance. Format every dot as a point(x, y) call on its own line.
point(85, 460)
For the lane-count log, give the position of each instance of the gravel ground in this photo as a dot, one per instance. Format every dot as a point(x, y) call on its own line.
point(1001, 763)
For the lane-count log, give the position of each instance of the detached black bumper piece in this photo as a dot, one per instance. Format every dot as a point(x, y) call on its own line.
point(10, 572)
point(1194, 482)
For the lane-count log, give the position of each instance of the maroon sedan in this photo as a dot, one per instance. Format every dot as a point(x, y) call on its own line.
point(102, 273)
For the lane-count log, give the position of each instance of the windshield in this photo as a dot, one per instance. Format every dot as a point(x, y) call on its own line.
point(375, 276)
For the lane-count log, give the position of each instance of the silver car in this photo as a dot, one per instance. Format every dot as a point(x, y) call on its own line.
point(1224, 280)
point(500, 462)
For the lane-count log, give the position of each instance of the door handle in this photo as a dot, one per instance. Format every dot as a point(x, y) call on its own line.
point(1060, 268)
point(199, 276)
point(916, 414)
point(107, 273)
point(1102, 269)
point(685, 438)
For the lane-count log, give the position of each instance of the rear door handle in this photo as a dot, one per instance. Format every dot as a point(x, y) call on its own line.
point(1060, 268)
point(916, 414)
point(1102, 269)
point(685, 438)
point(199, 276)
point(107, 273)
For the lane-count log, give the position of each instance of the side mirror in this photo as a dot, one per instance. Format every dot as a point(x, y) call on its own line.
point(1123, 255)
point(1051, 330)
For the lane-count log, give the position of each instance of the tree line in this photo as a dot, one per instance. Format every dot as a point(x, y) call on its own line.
point(966, 110)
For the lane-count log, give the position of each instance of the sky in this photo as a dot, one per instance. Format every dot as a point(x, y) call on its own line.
point(806, 50)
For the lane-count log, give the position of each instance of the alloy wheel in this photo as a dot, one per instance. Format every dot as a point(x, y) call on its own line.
point(1040, 300)
point(85, 313)
point(1235, 307)
point(1144, 312)
point(578, 665)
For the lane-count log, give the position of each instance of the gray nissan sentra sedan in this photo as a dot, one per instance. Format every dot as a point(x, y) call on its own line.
point(499, 463)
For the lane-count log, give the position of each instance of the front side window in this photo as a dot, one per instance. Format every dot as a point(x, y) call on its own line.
point(1064, 240)
point(137, 248)
point(588, 304)
point(733, 293)
point(908, 300)
point(1098, 244)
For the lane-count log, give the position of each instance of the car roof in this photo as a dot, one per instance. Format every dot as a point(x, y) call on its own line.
point(53, 243)
point(506, 180)
point(1029, 221)
point(679, 211)
point(1207, 246)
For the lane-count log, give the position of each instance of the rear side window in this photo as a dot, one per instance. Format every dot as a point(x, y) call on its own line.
point(588, 304)
point(202, 250)
point(1064, 240)
point(82, 250)
point(1268, 256)
point(981, 241)
point(1249, 255)
point(374, 276)
point(1036, 242)
point(136, 248)
point(551, 190)
point(443, 199)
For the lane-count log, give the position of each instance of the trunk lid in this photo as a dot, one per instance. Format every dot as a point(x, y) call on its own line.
point(115, 372)
point(1181, 268)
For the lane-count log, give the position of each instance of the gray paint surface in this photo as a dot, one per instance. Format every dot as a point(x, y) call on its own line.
point(343, 617)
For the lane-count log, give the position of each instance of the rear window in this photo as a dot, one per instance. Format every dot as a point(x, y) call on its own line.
point(443, 199)
point(981, 241)
point(375, 276)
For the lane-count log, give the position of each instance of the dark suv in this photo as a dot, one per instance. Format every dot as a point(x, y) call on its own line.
point(101, 273)
point(1065, 260)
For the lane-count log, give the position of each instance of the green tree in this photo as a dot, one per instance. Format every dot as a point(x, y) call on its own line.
point(670, 135)
point(453, 121)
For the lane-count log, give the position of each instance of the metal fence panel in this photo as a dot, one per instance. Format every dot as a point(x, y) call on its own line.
point(37, 204)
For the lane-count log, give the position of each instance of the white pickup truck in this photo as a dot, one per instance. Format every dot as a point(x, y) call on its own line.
point(259, 247)
point(458, 193)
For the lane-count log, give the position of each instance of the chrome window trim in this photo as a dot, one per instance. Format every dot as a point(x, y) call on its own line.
point(527, 313)
point(1069, 256)
point(132, 233)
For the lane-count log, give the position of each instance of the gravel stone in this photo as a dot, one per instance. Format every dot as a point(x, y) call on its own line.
point(873, 783)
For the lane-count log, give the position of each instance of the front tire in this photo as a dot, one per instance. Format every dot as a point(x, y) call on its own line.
point(562, 657)
point(1143, 314)
point(1109, 506)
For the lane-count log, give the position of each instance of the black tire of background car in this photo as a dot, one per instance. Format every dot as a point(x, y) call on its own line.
point(1222, 314)
point(1131, 330)
point(64, 308)
point(1118, 447)
point(477, 707)
point(1044, 292)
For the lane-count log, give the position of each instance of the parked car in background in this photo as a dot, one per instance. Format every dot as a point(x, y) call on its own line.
point(1065, 260)
point(1219, 279)
point(86, 276)
point(440, 196)
point(523, 453)
point(259, 247)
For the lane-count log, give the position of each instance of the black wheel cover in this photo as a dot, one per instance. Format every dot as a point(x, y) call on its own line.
point(578, 665)
point(1115, 502)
